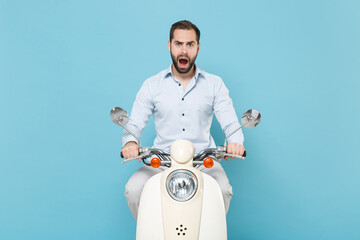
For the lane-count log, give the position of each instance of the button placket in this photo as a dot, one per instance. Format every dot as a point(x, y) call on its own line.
point(182, 128)
point(183, 120)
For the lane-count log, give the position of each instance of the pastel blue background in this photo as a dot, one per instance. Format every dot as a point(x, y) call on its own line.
point(65, 64)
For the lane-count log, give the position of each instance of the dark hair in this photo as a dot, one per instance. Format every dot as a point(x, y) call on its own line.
point(184, 24)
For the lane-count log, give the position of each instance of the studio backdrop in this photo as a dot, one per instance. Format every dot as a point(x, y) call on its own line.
point(65, 64)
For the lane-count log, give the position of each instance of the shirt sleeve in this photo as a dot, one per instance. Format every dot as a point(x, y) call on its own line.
point(225, 113)
point(142, 108)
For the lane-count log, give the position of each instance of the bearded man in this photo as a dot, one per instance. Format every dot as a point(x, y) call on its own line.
point(182, 100)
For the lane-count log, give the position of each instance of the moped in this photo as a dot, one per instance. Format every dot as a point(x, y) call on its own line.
point(182, 203)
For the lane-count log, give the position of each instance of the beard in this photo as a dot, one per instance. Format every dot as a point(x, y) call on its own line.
point(175, 60)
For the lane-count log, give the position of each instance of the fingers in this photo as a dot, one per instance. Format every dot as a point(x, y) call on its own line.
point(130, 150)
point(242, 150)
point(235, 148)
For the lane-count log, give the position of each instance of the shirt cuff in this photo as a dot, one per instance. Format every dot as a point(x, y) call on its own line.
point(237, 137)
point(128, 138)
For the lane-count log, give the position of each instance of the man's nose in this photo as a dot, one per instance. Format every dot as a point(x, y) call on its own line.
point(184, 49)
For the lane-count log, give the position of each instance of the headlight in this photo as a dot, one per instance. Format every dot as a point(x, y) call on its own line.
point(181, 185)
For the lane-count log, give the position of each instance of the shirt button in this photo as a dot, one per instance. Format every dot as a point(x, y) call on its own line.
point(182, 99)
point(179, 84)
point(184, 129)
point(183, 114)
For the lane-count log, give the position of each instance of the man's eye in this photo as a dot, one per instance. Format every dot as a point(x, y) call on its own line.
point(190, 44)
point(177, 44)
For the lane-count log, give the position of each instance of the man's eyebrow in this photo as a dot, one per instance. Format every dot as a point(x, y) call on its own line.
point(183, 42)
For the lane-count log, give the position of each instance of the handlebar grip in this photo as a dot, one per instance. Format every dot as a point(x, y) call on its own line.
point(244, 155)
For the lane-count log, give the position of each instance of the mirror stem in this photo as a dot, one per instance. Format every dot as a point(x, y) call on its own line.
point(130, 133)
point(225, 143)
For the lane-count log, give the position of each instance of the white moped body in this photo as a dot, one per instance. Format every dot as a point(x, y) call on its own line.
point(182, 202)
point(202, 217)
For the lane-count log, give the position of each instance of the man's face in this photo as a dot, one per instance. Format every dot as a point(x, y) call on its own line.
point(184, 49)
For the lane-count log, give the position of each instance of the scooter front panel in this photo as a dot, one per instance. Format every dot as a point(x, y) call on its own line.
point(181, 220)
point(213, 217)
point(149, 220)
point(201, 218)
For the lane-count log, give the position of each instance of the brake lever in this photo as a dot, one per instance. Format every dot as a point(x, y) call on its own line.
point(142, 156)
point(234, 156)
point(130, 159)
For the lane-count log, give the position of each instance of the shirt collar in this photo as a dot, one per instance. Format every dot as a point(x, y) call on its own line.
point(198, 71)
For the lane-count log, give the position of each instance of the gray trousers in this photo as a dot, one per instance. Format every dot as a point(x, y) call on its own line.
point(135, 185)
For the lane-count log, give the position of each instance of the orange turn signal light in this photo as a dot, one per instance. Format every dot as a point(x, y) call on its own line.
point(208, 162)
point(155, 162)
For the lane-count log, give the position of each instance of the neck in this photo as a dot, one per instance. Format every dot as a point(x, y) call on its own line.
point(183, 76)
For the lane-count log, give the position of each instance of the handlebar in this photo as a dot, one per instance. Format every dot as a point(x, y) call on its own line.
point(215, 153)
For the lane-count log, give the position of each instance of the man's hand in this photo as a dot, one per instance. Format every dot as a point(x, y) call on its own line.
point(234, 148)
point(130, 150)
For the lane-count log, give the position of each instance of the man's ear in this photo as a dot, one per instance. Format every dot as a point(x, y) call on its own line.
point(169, 45)
point(198, 46)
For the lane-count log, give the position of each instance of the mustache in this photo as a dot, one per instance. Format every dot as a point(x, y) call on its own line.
point(183, 56)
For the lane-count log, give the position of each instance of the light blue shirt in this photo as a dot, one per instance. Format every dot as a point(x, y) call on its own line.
point(180, 114)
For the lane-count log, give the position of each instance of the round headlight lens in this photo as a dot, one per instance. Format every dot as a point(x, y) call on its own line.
point(181, 185)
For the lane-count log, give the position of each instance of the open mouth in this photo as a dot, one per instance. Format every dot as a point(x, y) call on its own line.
point(183, 61)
